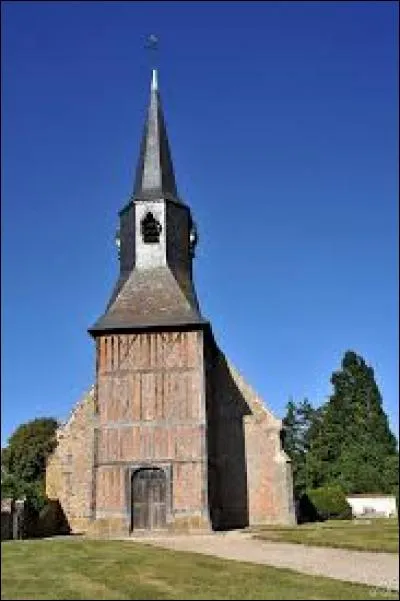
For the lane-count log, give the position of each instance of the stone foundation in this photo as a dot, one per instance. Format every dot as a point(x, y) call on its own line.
point(190, 523)
point(108, 528)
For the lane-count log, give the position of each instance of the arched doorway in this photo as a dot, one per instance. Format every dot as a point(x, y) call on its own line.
point(149, 491)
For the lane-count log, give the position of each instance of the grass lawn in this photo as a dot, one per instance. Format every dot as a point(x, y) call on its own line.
point(83, 569)
point(364, 535)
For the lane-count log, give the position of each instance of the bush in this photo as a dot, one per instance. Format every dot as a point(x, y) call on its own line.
point(11, 487)
point(35, 495)
point(330, 503)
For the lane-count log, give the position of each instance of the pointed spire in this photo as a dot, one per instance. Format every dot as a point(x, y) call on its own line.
point(155, 173)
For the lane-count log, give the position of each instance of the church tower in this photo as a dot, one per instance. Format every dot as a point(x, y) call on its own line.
point(170, 436)
point(150, 443)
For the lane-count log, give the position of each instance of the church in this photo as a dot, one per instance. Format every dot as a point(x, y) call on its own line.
point(170, 436)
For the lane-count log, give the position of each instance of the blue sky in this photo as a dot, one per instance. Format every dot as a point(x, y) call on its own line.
point(283, 123)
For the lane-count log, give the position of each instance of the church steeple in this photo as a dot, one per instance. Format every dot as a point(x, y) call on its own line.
point(156, 239)
point(155, 176)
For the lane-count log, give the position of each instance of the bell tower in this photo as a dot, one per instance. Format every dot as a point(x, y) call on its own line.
point(156, 241)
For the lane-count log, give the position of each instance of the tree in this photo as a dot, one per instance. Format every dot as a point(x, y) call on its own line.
point(317, 458)
point(292, 443)
point(330, 502)
point(23, 461)
point(290, 434)
point(347, 441)
point(353, 445)
point(297, 426)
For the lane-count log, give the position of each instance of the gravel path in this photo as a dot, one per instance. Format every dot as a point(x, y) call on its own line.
point(374, 569)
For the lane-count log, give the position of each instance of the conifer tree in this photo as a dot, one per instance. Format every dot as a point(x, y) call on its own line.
point(347, 441)
point(355, 447)
point(297, 427)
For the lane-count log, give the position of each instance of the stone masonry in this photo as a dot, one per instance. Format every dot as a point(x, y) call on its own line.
point(70, 469)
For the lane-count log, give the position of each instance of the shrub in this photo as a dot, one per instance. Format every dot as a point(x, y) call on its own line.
point(11, 487)
point(330, 503)
point(33, 492)
point(35, 495)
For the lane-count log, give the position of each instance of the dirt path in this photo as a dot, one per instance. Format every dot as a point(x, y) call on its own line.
point(374, 569)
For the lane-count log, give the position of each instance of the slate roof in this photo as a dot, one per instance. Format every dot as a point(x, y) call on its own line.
point(151, 298)
point(155, 176)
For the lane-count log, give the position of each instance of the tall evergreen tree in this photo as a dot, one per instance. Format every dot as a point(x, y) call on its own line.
point(316, 462)
point(290, 434)
point(354, 446)
point(291, 440)
point(297, 426)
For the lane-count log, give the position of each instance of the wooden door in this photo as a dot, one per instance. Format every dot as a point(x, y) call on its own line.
point(149, 499)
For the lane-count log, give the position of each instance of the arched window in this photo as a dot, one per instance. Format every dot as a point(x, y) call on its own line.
point(151, 229)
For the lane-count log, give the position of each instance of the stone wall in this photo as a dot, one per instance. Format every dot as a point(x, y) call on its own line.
point(226, 443)
point(269, 474)
point(69, 473)
point(250, 480)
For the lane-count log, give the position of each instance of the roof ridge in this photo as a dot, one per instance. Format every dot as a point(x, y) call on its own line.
point(255, 398)
point(76, 407)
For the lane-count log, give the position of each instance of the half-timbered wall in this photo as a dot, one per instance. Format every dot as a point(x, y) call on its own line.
point(151, 412)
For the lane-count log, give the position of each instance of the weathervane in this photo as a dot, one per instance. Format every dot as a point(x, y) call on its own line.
point(152, 44)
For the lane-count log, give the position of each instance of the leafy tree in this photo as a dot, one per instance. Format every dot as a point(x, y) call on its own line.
point(23, 461)
point(34, 492)
point(11, 487)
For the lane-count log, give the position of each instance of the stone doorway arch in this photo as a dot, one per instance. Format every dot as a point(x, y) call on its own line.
point(148, 499)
